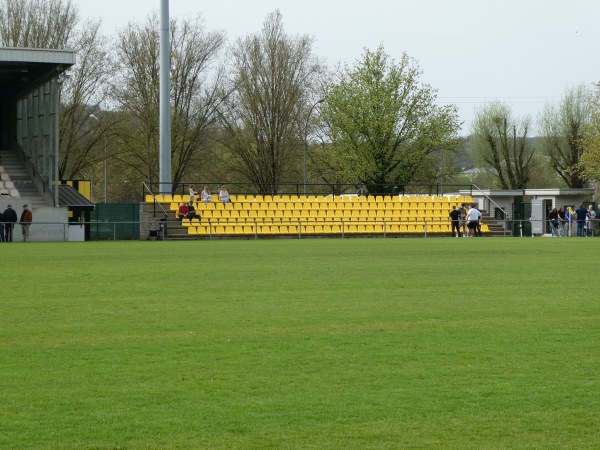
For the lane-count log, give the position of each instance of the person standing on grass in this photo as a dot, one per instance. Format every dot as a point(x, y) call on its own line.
point(455, 221)
point(591, 216)
point(463, 219)
point(580, 217)
point(10, 218)
point(478, 227)
point(569, 213)
point(553, 222)
point(561, 222)
point(26, 219)
point(473, 219)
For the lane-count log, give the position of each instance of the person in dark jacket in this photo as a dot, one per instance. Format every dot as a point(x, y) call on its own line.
point(9, 219)
point(455, 221)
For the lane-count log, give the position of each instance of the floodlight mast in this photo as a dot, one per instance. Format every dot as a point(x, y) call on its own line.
point(165, 179)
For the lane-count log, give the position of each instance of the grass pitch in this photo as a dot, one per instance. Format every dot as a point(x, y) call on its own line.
point(324, 344)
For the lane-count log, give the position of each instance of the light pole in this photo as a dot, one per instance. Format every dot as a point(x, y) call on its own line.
point(306, 138)
point(105, 162)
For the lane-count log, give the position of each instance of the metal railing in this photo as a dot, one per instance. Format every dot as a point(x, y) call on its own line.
point(182, 188)
point(105, 230)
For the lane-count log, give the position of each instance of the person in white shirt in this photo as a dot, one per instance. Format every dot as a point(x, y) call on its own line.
point(192, 193)
point(206, 195)
point(224, 195)
point(473, 217)
point(591, 216)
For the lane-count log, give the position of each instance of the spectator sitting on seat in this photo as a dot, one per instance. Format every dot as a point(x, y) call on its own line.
point(206, 196)
point(192, 212)
point(224, 195)
point(183, 211)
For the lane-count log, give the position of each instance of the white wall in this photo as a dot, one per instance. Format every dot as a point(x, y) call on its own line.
point(49, 223)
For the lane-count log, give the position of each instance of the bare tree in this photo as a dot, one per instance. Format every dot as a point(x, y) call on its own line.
point(37, 23)
point(267, 107)
point(85, 126)
point(195, 94)
point(56, 24)
point(501, 142)
point(562, 128)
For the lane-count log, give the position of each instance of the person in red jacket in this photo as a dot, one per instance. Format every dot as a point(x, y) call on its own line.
point(26, 219)
point(183, 211)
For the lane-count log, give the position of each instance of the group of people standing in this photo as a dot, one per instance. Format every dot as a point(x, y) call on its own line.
point(8, 219)
point(187, 210)
point(560, 221)
point(467, 219)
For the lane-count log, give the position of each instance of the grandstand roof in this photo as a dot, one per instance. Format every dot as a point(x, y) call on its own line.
point(22, 69)
point(70, 197)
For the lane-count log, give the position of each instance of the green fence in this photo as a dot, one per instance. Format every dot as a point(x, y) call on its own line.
point(521, 215)
point(115, 221)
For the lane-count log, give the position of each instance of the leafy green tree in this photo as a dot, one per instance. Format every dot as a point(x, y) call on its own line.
point(562, 129)
point(501, 143)
point(384, 125)
point(590, 160)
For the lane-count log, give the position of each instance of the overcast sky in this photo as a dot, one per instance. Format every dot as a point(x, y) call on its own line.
point(522, 52)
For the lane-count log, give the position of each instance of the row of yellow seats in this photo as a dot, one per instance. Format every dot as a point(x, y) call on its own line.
point(317, 205)
point(374, 214)
point(301, 222)
point(398, 207)
point(274, 229)
point(180, 198)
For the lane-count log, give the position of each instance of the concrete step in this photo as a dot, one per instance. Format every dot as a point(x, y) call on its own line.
point(16, 170)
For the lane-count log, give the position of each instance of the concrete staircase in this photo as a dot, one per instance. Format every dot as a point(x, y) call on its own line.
point(15, 168)
point(151, 217)
point(495, 228)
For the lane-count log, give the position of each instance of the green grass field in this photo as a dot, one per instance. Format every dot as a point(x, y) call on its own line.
point(487, 343)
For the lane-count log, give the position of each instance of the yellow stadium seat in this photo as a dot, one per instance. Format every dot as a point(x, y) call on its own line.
point(217, 229)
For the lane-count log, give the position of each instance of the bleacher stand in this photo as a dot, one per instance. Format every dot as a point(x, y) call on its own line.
point(293, 215)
